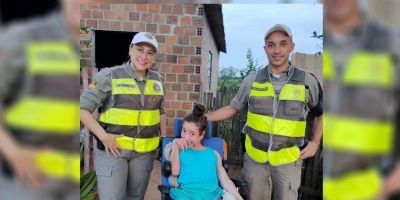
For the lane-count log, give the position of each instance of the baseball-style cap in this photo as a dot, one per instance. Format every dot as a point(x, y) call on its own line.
point(147, 38)
point(279, 27)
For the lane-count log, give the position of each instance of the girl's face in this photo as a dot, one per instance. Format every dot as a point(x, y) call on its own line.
point(190, 132)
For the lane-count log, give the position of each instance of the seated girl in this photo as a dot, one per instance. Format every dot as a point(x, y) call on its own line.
point(198, 168)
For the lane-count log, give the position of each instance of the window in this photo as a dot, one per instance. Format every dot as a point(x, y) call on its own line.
point(199, 31)
point(198, 50)
point(201, 11)
point(197, 88)
point(209, 69)
point(197, 69)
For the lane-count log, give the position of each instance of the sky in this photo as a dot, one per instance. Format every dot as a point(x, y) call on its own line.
point(245, 26)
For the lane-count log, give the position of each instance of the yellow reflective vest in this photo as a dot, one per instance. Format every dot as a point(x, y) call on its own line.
point(47, 113)
point(135, 114)
point(274, 136)
point(358, 131)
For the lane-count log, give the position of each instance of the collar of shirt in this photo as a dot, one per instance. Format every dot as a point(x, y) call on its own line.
point(283, 76)
point(134, 75)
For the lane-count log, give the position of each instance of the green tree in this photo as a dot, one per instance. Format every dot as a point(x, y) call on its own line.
point(319, 37)
point(228, 79)
point(252, 65)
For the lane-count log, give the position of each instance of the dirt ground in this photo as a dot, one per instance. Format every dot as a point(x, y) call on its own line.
point(153, 193)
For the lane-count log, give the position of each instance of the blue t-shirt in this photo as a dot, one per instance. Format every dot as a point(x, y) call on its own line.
point(198, 176)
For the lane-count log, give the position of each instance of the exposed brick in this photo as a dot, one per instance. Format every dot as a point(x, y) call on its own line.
point(183, 40)
point(118, 7)
point(177, 69)
point(172, 19)
point(197, 21)
point(165, 49)
point(92, 5)
point(133, 16)
point(189, 9)
point(170, 78)
point(115, 25)
point(164, 29)
point(85, 62)
point(141, 7)
point(195, 60)
point(154, 8)
point(123, 16)
point(171, 59)
point(183, 59)
point(168, 86)
point(159, 19)
point(196, 41)
point(130, 7)
point(160, 58)
point(83, 6)
point(194, 97)
point(170, 39)
point(181, 113)
point(151, 28)
point(195, 78)
point(86, 54)
point(188, 87)
point(104, 25)
point(169, 95)
point(183, 78)
point(170, 113)
point(160, 38)
point(177, 9)
point(127, 26)
point(185, 20)
point(86, 14)
point(97, 14)
point(188, 50)
point(146, 17)
point(166, 9)
point(139, 27)
point(166, 68)
point(104, 6)
point(188, 69)
point(178, 30)
point(182, 96)
point(177, 49)
point(187, 105)
point(176, 87)
point(190, 31)
point(110, 15)
point(91, 23)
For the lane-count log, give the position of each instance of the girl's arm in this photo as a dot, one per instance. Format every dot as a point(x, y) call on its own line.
point(224, 180)
point(175, 162)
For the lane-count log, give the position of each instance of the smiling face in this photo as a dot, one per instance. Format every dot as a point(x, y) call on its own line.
point(190, 132)
point(142, 56)
point(278, 46)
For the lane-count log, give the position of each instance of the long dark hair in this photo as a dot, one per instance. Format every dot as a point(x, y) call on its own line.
point(197, 116)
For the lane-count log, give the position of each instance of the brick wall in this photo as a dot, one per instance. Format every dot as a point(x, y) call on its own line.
point(175, 26)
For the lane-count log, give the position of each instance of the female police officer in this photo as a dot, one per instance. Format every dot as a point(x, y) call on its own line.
point(131, 97)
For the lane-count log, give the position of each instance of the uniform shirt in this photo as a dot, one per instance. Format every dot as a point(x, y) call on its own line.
point(313, 89)
point(99, 95)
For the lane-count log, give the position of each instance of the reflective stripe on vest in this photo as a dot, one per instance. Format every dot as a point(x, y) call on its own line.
point(369, 69)
point(293, 127)
point(51, 58)
point(44, 114)
point(282, 156)
point(125, 117)
point(48, 115)
point(361, 184)
point(138, 144)
point(59, 165)
point(358, 135)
